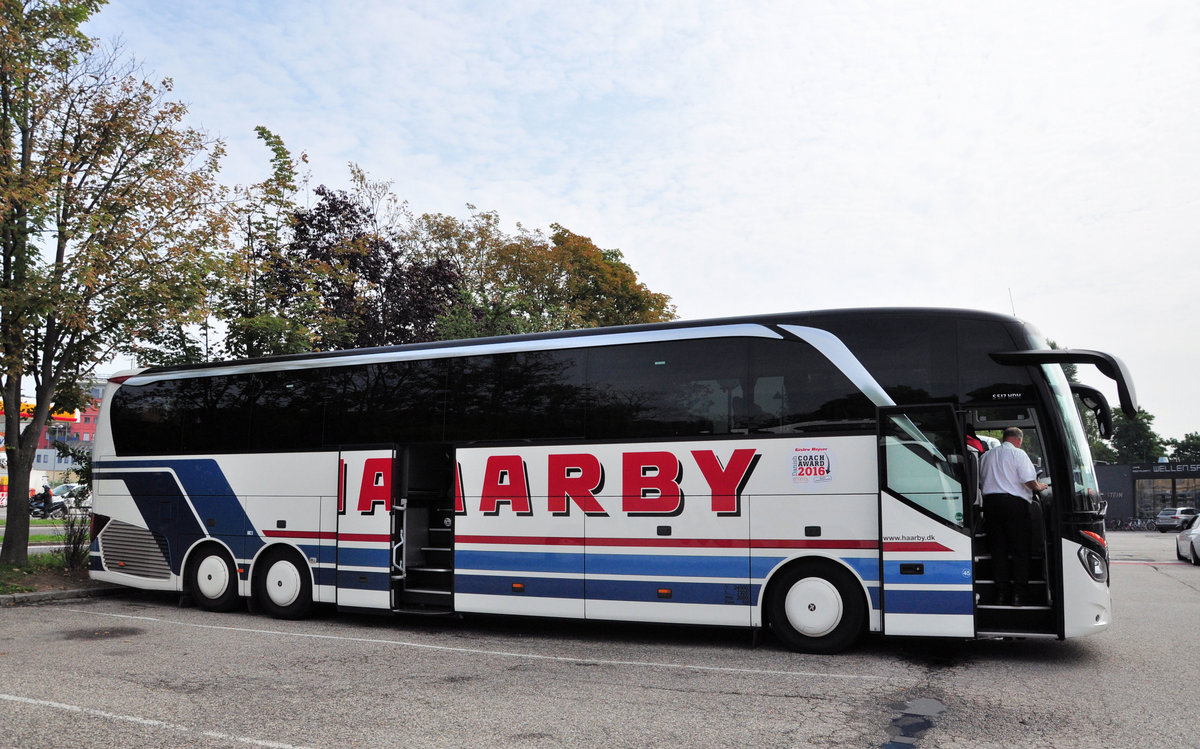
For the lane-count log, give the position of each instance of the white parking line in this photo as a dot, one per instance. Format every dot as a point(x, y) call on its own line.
point(498, 653)
point(147, 722)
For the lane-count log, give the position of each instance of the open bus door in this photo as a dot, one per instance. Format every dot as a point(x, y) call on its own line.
point(366, 492)
point(925, 513)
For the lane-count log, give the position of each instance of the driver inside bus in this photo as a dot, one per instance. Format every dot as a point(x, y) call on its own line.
point(1009, 480)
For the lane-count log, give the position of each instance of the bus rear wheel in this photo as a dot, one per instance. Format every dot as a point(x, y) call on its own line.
point(283, 589)
point(213, 580)
point(816, 608)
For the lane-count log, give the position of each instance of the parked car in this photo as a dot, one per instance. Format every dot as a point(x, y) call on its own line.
point(1187, 543)
point(75, 496)
point(1174, 518)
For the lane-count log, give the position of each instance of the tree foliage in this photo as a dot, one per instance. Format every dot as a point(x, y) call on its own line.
point(372, 292)
point(1135, 440)
point(264, 304)
point(527, 282)
point(1186, 449)
point(104, 203)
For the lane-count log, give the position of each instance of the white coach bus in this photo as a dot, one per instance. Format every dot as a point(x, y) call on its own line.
point(804, 472)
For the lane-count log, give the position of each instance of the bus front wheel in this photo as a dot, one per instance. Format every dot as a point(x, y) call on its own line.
point(816, 608)
point(213, 580)
point(283, 588)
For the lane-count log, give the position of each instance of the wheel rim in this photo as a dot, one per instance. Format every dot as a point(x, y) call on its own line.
point(814, 607)
point(283, 583)
point(212, 577)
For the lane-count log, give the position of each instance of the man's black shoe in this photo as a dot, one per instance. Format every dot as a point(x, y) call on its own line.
point(1018, 599)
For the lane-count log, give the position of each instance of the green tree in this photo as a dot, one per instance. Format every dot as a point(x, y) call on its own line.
point(265, 301)
point(1135, 440)
point(1186, 449)
point(105, 201)
point(527, 282)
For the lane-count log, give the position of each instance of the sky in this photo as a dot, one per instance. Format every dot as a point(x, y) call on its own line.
point(1034, 158)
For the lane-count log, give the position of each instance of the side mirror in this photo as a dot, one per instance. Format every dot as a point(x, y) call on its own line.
point(1094, 401)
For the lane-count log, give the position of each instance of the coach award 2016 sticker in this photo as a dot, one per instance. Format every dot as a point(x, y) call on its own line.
point(811, 464)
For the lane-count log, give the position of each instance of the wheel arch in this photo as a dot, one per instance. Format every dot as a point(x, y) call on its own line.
point(268, 551)
point(827, 561)
point(194, 550)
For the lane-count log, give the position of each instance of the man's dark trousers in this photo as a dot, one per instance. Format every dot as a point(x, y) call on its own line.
point(1007, 523)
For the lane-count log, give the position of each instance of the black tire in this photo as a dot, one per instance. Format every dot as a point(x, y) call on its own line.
point(58, 513)
point(1195, 554)
point(816, 607)
point(213, 579)
point(283, 585)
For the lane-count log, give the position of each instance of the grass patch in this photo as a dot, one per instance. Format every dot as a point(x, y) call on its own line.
point(17, 579)
point(46, 539)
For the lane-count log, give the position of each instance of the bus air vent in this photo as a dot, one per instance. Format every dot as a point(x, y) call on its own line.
point(134, 551)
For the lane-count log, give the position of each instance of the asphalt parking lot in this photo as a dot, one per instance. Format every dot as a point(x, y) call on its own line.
point(137, 670)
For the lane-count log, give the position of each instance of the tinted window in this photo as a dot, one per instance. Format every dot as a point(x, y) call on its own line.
point(527, 396)
point(982, 378)
point(289, 410)
point(929, 358)
point(145, 419)
point(794, 388)
point(215, 413)
point(382, 403)
point(678, 388)
point(912, 357)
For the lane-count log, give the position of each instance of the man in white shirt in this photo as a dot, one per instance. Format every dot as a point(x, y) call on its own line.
point(1009, 480)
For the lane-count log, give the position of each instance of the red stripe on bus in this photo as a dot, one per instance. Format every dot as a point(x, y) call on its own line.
point(712, 543)
point(914, 546)
point(811, 543)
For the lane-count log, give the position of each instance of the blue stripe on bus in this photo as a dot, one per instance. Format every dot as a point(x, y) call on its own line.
point(364, 557)
point(204, 486)
point(536, 587)
point(351, 579)
point(603, 564)
point(325, 575)
point(674, 566)
point(724, 594)
point(930, 602)
point(635, 590)
point(323, 554)
point(519, 561)
point(950, 572)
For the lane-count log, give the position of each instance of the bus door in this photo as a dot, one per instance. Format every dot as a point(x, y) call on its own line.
point(926, 561)
point(423, 527)
point(365, 532)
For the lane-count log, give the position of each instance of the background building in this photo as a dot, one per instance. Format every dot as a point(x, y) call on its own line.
point(1142, 489)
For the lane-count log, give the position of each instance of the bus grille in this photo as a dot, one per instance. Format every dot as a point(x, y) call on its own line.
point(134, 551)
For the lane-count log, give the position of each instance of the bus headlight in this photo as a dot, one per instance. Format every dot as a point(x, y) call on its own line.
point(1094, 564)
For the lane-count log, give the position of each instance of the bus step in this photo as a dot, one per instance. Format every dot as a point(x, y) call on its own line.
point(1023, 607)
point(436, 549)
point(431, 569)
point(1024, 635)
point(421, 597)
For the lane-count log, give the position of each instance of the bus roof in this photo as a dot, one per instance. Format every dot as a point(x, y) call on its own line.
point(673, 330)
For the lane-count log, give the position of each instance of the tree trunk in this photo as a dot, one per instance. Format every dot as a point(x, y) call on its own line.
point(16, 529)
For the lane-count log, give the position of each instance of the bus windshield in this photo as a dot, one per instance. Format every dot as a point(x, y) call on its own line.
point(1086, 493)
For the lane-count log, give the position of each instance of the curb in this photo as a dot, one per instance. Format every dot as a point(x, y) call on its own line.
point(25, 599)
